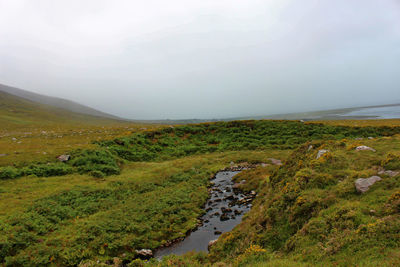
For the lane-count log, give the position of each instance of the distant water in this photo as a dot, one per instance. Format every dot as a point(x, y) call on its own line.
point(392, 112)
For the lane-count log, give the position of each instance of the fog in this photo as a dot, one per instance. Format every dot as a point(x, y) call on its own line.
point(206, 59)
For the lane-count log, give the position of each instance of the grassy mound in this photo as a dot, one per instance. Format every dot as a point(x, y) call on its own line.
point(308, 211)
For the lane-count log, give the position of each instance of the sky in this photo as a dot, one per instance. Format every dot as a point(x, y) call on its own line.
point(184, 59)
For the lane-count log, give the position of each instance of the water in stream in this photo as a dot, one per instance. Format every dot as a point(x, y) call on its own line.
point(224, 210)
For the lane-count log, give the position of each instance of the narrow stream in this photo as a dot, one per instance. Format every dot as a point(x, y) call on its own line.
point(224, 210)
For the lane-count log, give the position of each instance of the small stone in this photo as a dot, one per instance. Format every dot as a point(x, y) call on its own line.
point(217, 232)
point(64, 158)
point(212, 243)
point(362, 184)
point(144, 253)
point(321, 152)
point(361, 148)
point(275, 161)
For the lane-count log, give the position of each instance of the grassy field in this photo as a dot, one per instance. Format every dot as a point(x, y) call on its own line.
point(308, 213)
point(32, 132)
point(128, 188)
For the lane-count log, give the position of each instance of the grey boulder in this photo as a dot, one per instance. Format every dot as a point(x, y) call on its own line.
point(363, 184)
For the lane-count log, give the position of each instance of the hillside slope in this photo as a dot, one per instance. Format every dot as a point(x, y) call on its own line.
point(55, 102)
point(15, 111)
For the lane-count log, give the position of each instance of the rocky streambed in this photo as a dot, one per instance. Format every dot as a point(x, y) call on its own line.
point(224, 210)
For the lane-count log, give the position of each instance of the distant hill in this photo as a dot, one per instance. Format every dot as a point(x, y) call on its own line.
point(55, 102)
point(18, 111)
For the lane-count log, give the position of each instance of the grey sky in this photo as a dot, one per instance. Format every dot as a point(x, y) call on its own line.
point(175, 59)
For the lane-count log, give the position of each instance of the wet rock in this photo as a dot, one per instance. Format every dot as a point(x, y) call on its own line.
point(218, 200)
point(212, 243)
point(237, 212)
point(226, 210)
point(217, 232)
point(216, 213)
point(321, 152)
point(362, 184)
point(363, 148)
point(64, 158)
point(144, 253)
point(230, 197)
point(208, 209)
point(224, 217)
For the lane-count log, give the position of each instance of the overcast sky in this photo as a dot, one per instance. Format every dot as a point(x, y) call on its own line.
point(177, 59)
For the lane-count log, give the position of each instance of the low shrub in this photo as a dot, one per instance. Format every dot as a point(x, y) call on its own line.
point(46, 170)
point(9, 173)
point(391, 162)
point(102, 160)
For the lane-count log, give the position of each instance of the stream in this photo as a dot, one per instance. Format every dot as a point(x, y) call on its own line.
point(224, 210)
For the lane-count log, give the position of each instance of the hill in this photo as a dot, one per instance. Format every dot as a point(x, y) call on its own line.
point(55, 102)
point(31, 131)
point(18, 111)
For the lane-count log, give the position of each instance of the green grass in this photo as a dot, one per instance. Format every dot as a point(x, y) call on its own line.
point(140, 189)
point(310, 212)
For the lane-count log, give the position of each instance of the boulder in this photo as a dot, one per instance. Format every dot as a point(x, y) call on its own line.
point(212, 243)
point(363, 184)
point(64, 158)
point(144, 253)
point(321, 153)
point(361, 148)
